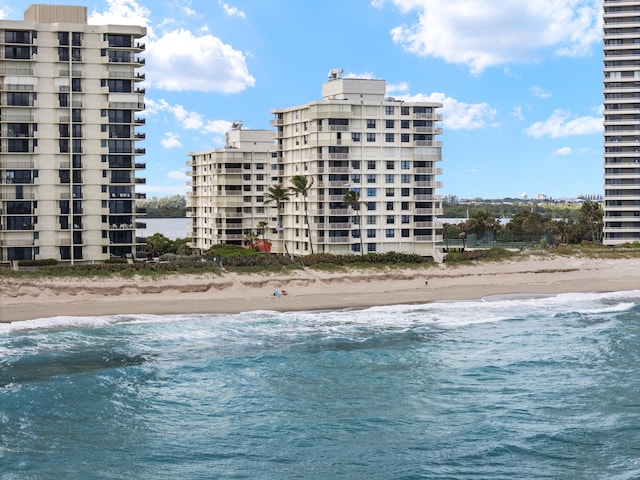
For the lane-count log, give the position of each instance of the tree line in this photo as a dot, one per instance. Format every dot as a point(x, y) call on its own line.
point(165, 207)
point(584, 224)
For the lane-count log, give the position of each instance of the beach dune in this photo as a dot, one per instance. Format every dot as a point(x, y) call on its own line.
point(308, 289)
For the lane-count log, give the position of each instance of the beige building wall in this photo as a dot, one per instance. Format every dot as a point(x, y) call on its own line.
point(69, 153)
point(621, 122)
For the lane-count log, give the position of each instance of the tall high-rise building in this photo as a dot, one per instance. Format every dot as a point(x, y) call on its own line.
point(621, 121)
point(68, 144)
point(355, 141)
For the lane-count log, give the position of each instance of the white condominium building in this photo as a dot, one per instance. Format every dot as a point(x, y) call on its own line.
point(68, 146)
point(227, 190)
point(355, 139)
point(621, 121)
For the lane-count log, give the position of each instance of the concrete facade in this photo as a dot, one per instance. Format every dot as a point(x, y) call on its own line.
point(68, 143)
point(621, 122)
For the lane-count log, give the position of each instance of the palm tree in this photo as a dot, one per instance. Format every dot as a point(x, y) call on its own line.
point(352, 199)
point(250, 239)
point(262, 228)
point(278, 194)
point(300, 185)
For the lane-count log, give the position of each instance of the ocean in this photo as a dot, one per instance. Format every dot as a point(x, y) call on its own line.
point(171, 228)
point(515, 387)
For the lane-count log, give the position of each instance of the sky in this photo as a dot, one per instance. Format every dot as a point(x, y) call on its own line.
point(520, 80)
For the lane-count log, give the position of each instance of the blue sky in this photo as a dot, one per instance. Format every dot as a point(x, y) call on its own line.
point(520, 80)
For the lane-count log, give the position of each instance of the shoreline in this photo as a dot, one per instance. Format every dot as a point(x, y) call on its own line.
point(308, 290)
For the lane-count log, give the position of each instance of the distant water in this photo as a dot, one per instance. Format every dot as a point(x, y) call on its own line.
point(171, 228)
point(504, 388)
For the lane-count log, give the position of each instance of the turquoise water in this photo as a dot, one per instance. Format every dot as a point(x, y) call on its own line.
point(503, 388)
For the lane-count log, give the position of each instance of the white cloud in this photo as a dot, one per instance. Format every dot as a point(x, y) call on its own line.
point(121, 12)
point(179, 61)
point(539, 92)
point(178, 175)
point(231, 11)
point(458, 115)
point(486, 33)
point(170, 140)
point(517, 112)
point(189, 120)
point(365, 75)
point(399, 87)
point(563, 151)
point(560, 125)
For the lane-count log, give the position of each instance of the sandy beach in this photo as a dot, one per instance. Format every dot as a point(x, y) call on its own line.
point(26, 299)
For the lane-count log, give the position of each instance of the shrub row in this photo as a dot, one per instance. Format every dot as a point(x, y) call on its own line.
point(389, 258)
point(38, 263)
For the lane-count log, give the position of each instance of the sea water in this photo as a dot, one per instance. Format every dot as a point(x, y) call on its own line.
point(500, 388)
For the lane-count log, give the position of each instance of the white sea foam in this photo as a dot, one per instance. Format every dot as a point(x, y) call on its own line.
point(439, 314)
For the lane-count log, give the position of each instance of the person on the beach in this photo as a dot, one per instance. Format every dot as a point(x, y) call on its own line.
point(276, 293)
point(283, 292)
point(426, 280)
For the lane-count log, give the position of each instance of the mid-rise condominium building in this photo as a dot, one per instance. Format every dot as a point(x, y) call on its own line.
point(621, 121)
point(354, 140)
point(68, 144)
point(227, 189)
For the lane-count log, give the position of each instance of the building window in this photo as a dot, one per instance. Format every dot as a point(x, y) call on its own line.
point(389, 110)
point(371, 192)
point(371, 247)
point(371, 206)
point(405, 233)
point(404, 137)
point(371, 178)
point(404, 123)
point(405, 205)
point(389, 192)
point(371, 123)
point(405, 165)
point(389, 178)
point(406, 218)
point(355, 136)
point(371, 219)
point(371, 233)
point(404, 178)
point(391, 219)
point(404, 110)
point(390, 123)
point(390, 233)
point(371, 137)
point(355, 248)
point(355, 178)
point(389, 137)
point(404, 192)
point(390, 164)
point(355, 164)
point(371, 165)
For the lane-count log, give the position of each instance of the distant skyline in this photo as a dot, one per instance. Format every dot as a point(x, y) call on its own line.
point(521, 81)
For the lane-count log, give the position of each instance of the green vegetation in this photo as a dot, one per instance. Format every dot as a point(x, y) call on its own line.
point(164, 207)
point(583, 225)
